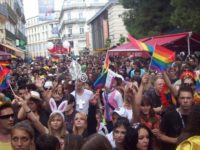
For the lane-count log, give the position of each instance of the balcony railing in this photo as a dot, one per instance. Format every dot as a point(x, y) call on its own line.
point(75, 36)
point(11, 14)
point(20, 35)
point(74, 21)
point(10, 35)
point(3, 10)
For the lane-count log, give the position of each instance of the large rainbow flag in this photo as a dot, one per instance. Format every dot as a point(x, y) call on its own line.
point(140, 45)
point(101, 80)
point(161, 58)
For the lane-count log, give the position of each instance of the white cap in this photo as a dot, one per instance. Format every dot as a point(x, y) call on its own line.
point(48, 84)
point(35, 95)
point(120, 111)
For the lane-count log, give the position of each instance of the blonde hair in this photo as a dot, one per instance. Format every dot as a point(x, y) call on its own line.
point(63, 130)
point(84, 117)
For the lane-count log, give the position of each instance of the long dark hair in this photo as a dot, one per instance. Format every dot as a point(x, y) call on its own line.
point(131, 138)
point(146, 101)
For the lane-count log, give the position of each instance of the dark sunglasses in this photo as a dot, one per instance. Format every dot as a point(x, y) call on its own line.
point(7, 116)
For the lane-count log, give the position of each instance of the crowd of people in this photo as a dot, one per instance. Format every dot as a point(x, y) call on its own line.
point(44, 109)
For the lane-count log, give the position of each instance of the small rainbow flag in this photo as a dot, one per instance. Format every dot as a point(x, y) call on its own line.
point(3, 72)
point(197, 81)
point(197, 88)
point(140, 45)
point(161, 58)
point(101, 80)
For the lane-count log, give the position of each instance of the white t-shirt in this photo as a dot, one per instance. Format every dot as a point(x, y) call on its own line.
point(129, 114)
point(83, 100)
point(111, 140)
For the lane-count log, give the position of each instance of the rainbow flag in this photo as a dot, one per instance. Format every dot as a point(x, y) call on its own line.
point(161, 58)
point(197, 88)
point(2, 75)
point(3, 72)
point(101, 80)
point(140, 45)
point(5, 84)
point(197, 81)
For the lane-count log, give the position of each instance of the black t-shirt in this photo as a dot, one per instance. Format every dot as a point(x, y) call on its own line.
point(171, 125)
point(154, 97)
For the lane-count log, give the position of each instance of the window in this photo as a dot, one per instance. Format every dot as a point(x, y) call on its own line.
point(80, 15)
point(69, 16)
point(69, 31)
point(81, 30)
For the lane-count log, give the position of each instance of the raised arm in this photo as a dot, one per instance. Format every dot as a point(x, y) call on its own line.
point(31, 116)
point(173, 90)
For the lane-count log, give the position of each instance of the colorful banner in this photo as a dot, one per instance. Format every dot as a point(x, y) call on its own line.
point(46, 10)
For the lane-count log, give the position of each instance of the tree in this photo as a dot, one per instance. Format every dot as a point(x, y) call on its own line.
point(122, 39)
point(147, 17)
point(108, 42)
point(186, 14)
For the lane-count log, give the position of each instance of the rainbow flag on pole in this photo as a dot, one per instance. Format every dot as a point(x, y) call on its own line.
point(161, 58)
point(101, 80)
point(140, 45)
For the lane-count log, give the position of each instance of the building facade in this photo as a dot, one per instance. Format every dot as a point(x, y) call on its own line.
point(12, 27)
point(39, 33)
point(73, 22)
point(107, 26)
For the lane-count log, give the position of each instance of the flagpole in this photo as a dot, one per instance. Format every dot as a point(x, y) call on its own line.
point(150, 64)
point(151, 57)
point(12, 89)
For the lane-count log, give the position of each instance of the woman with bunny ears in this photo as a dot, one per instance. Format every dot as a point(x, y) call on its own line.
point(56, 124)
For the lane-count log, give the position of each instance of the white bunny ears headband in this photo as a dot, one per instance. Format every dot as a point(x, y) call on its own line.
point(60, 109)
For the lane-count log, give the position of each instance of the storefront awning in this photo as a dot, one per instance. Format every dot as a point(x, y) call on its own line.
point(12, 48)
point(164, 39)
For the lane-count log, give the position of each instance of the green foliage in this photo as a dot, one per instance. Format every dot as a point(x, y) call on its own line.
point(186, 14)
point(154, 17)
point(122, 39)
point(108, 42)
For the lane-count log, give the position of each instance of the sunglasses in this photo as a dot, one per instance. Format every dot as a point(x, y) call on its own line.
point(7, 116)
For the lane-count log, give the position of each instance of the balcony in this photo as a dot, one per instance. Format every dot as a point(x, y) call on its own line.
point(3, 12)
point(20, 35)
point(10, 35)
point(11, 14)
point(75, 36)
point(73, 21)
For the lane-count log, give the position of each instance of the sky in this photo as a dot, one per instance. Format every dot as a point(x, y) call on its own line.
point(31, 7)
